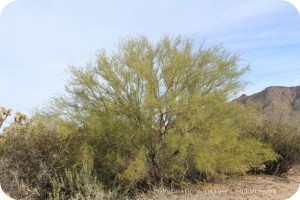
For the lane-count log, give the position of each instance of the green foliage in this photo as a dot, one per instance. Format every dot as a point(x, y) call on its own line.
point(285, 142)
point(137, 168)
point(157, 113)
point(148, 114)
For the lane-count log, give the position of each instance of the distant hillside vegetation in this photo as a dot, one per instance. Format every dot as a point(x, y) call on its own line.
point(281, 104)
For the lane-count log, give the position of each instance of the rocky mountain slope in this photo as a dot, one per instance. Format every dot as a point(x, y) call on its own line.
point(281, 104)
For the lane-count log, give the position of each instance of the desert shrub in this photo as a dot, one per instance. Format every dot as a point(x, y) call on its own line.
point(13, 186)
point(160, 113)
point(284, 140)
point(79, 184)
point(31, 154)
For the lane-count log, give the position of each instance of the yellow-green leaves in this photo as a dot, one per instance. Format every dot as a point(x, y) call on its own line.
point(137, 168)
point(161, 111)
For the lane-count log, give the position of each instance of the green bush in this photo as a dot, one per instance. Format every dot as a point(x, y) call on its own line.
point(157, 113)
point(284, 140)
point(146, 116)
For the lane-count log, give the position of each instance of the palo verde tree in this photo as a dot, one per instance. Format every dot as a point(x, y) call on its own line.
point(160, 112)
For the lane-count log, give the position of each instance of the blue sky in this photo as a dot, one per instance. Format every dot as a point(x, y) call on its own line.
point(40, 38)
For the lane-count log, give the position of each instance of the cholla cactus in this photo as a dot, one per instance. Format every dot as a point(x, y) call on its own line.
point(4, 113)
point(20, 118)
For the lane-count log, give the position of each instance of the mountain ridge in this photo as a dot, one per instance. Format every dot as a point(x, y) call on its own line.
point(280, 103)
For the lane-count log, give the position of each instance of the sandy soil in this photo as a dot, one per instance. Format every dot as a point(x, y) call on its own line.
point(251, 187)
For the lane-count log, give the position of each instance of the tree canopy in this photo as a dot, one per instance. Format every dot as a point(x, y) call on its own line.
point(153, 112)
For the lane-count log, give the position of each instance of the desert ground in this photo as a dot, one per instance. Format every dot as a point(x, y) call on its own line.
point(249, 187)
